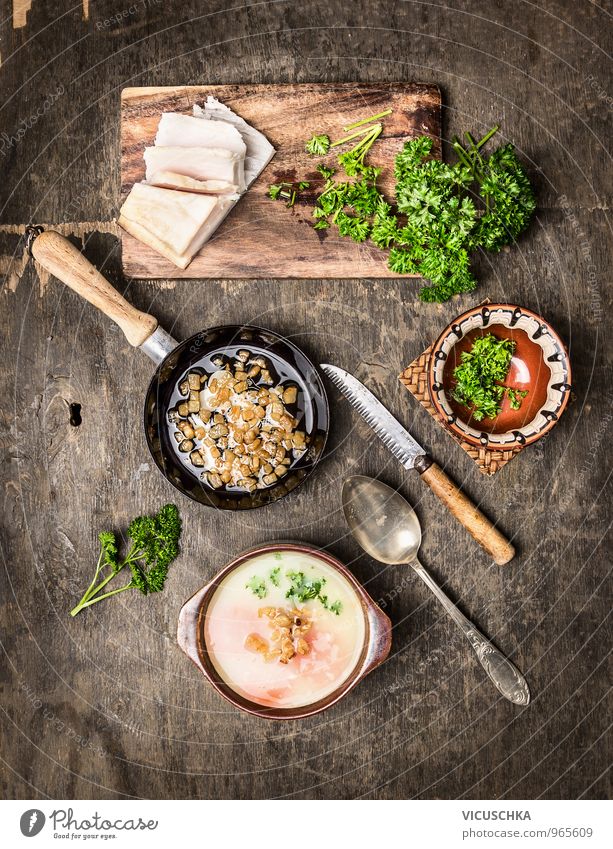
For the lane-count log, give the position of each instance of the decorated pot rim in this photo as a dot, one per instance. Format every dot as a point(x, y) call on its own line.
point(555, 357)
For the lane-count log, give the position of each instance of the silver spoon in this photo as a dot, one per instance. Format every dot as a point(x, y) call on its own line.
point(387, 528)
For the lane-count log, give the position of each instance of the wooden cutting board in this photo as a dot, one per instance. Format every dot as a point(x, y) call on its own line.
point(261, 238)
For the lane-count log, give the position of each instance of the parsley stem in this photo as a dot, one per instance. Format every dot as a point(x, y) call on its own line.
point(367, 120)
point(102, 584)
point(479, 164)
point(351, 137)
point(488, 136)
point(461, 153)
point(90, 589)
point(375, 132)
point(98, 598)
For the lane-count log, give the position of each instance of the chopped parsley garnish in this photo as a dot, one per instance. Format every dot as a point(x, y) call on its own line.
point(289, 192)
point(274, 190)
point(257, 586)
point(301, 588)
point(325, 172)
point(480, 375)
point(515, 397)
point(305, 589)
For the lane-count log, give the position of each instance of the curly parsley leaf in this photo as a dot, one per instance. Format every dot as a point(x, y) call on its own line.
point(109, 550)
point(318, 145)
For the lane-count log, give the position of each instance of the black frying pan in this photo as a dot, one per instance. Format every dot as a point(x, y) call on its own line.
point(173, 359)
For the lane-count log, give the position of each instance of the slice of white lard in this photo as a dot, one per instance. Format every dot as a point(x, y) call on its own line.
point(172, 180)
point(172, 223)
point(259, 149)
point(176, 224)
point(178, 130)
point(212, 163)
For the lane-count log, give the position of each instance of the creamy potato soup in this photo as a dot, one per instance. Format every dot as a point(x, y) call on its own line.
point(284, 629)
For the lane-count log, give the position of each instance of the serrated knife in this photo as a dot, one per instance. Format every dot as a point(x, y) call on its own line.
point(412, 456)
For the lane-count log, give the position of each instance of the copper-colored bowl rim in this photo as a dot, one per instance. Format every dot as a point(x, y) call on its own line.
point(485, 441)
point(376, 647)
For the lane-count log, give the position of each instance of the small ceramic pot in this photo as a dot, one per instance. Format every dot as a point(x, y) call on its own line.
point(540, 365)
point(376, 647)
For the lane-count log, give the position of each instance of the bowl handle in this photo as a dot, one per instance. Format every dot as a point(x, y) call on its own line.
point(187, 629)
point(380, 640)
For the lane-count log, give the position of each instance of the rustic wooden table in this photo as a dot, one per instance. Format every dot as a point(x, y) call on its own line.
point(106, 705)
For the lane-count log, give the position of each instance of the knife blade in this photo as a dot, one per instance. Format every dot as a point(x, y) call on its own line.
point(389, 430)
point(412, 456)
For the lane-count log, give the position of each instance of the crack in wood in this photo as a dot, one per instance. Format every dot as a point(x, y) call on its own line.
point(12, 266)
point(22, 7)
point(20, 12)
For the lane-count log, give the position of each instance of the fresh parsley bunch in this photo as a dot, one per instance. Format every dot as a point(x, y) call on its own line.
point(452, 210)
point(155, 544)
point(443, 212)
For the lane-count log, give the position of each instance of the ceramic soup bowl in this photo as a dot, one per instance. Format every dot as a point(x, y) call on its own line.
point(280, 656)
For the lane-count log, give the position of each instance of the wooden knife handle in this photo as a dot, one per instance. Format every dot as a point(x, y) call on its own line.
point(460, 506)
point(66, 262)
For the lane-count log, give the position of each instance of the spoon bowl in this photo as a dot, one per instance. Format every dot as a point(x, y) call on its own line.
point(382, 521)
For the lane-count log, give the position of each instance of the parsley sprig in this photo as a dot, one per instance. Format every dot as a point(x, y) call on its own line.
point(155, 544)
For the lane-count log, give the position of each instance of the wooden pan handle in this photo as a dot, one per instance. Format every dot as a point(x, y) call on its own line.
point(62, 259)
point(460, 506)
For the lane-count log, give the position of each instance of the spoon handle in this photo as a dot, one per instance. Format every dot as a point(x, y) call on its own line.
point(508, 680)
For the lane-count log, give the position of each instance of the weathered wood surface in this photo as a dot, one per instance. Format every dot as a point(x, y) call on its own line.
point(106, 705)
point(262, 239)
